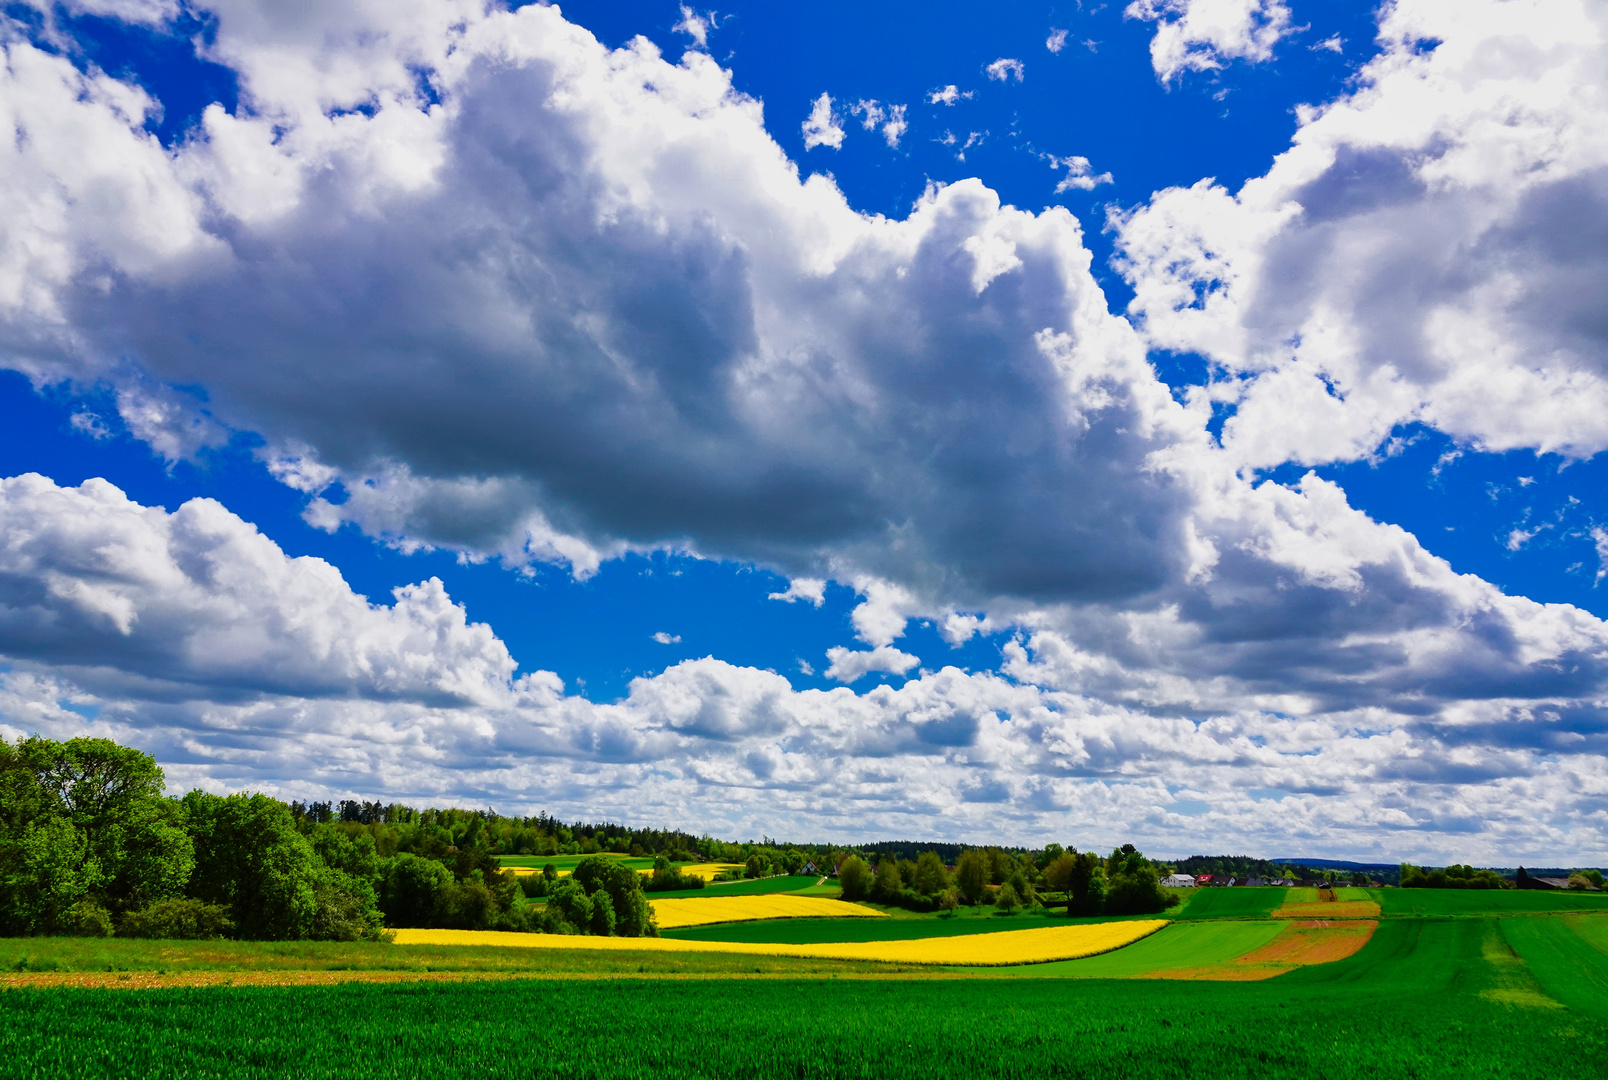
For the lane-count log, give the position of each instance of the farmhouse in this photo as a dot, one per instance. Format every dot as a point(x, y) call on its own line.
point(1178, 881)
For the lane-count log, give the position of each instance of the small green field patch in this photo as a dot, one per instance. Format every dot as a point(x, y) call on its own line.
point(1234, 902)
point(1179, 946)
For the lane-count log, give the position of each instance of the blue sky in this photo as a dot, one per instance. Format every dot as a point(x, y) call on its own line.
point(451, 292)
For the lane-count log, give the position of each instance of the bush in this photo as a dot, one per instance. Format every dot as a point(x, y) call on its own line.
point(1134, 894)
point(178, 919)
point(948, 901)
point(86, 919)
point(1007, 900)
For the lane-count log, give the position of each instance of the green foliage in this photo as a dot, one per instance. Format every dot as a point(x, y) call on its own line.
point(855, 878)
point(1007, 900)
point(971, 875)
point(179, 918)
point(1476, 902)
point(930, 877)
point(1452, 877)
point(623, 886)
point(87, 919)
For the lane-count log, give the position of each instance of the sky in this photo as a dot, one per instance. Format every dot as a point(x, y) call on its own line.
point(1178, 423)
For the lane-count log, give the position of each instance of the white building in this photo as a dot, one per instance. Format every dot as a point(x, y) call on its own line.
point(1178, 881)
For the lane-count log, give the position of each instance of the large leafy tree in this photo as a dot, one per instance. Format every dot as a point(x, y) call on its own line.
point(83, 822)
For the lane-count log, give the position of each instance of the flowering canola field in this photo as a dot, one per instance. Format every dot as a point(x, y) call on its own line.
point(1035, 946)
point(702, 910)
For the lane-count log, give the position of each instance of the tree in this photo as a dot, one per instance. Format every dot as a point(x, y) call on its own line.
point(854, 876)
point(971, 875)
point(1008, 900)
point(888, 880)
point(1059, 875)
point(83, 821)
point(623, 885)
point(930, 877)
point(412, 890)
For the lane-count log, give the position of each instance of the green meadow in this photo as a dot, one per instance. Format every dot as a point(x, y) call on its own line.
point(1478, 989)
point(756, 887)
point(1424, 999)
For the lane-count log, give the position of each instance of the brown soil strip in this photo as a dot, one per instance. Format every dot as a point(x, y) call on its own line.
point(1329, 909)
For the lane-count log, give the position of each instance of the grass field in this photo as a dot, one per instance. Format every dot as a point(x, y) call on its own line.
point(754, 887)
point(1568, 967)
point(1483, 902)
point(1181, 945)
point(1234, 903)
point(1408, 1005)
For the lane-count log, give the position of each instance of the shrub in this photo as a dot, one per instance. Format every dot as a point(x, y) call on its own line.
point(1007, 900)
point(86, 919)
point(948, 901)
point(192, 919)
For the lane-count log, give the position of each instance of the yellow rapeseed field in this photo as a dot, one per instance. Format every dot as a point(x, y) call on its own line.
point(970, 950)
point(702, 910)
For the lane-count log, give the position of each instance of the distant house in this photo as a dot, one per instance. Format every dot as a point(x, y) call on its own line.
point(1231, 881)
point(1548, 883)
point(809, 868)
point(1178, 881)
point(1255, 882)
point(1206, 879)
point(1283, 881)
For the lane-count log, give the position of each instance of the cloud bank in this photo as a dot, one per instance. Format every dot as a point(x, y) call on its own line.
point(483, 284)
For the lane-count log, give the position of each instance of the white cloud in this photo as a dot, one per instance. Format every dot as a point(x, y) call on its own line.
point(198, 602)
point(1599, 537)
point(1425, 251)
point(821, 127)
point(810, 590)
point(1056, 41)
point(1202, 35)
point(1004, 69)
point(87, 423)
point(696, 25)
point(847, 665)
point(891, 118)
point(1080, 175)
point(1333, 43)
point(664, 638)
point(191, 635)
point(948, 95)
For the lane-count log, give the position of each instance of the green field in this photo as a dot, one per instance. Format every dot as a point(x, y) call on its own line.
point(1569, 968)
point(1483, 902)
point(1411, 1004)
point(756, 887)
point(1234, 903)
point(1181, 945)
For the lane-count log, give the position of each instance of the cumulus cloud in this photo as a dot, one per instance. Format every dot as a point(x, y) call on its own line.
point(847, 665)
point(1056, 41)
point(1202, 35)
point(1005, 69)
point(198, 602)
point(1428, 249)
point(664, 638)
point(191, 635)
point(821, 127)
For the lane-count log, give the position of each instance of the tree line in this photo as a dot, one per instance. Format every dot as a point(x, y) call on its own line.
point(1122, 883)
